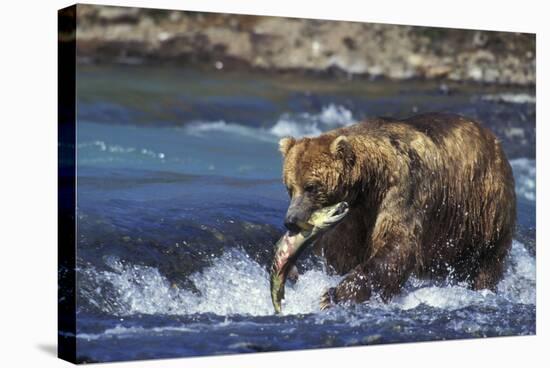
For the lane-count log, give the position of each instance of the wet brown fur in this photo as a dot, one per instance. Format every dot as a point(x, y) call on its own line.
point(429, 195)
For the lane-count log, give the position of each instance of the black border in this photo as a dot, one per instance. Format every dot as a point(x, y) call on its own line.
point(66, 187)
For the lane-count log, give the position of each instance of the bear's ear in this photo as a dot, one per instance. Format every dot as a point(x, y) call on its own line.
point(341, 149)
point(285, 144)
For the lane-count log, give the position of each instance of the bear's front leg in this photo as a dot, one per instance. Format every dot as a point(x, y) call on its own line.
point(385, 272)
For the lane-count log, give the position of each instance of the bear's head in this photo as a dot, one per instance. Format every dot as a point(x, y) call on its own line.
point(316, 173)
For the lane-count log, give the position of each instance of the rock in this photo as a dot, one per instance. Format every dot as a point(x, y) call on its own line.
point(108, 34)
point(113, 14)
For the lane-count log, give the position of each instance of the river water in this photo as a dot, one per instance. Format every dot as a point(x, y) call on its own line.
point(180, 202)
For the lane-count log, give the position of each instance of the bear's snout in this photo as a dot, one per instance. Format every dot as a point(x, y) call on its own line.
point(291, 223)
point(298, 214)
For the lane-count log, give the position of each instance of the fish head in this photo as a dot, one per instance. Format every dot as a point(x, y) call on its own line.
point(329, 216)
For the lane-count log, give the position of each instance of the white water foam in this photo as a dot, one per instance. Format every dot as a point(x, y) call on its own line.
point(449, 297)
point(525, 176)
point(235, 284)
point(296, 125)
point(519, 282)
point(287, 127)
point(122, 332)
point(200, 128)
point(517, 286)
point(307, 125)
point(116, 149)
point(518, 98)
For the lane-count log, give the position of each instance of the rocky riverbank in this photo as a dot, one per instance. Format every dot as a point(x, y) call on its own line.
point(224, 41)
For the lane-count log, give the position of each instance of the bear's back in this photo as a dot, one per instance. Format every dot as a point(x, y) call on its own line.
point(456, 178)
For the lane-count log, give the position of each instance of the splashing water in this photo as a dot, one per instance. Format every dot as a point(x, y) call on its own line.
point(525, 176)
point(234, 284)
point(202, 128)
point(296, 125)
point(237, 285)
point(518, 98)
point(307, 125)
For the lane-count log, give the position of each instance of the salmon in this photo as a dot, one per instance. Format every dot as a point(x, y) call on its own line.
point(289, 247)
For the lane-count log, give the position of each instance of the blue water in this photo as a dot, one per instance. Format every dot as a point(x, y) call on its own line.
point(180, 202)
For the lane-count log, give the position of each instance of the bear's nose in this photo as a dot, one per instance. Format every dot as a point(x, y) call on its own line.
point(291, 224)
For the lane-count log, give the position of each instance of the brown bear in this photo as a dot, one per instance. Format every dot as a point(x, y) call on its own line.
point(432, 195)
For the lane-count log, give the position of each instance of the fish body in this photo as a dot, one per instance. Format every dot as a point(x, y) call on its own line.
point(289, 247)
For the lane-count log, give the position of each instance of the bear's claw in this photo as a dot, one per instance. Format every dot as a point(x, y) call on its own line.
point(328, 299)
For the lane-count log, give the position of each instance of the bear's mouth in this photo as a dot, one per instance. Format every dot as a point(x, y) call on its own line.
point(338, 209)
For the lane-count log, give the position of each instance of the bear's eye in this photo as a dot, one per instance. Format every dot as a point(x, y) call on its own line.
point(310, 188)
